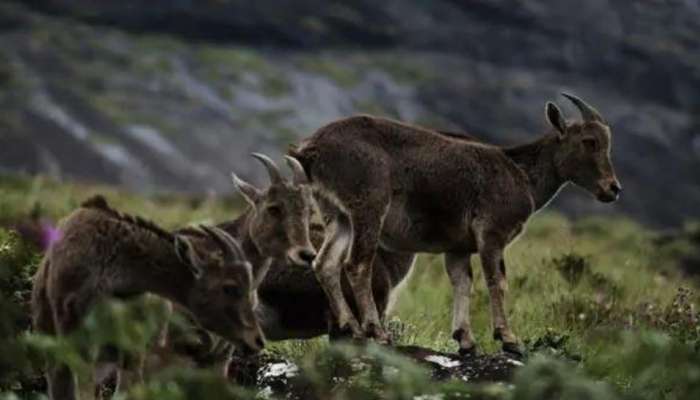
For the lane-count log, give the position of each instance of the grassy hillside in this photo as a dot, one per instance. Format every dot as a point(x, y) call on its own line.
point(601, 305)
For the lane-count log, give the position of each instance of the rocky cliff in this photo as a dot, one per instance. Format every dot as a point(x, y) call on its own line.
point(171, 95)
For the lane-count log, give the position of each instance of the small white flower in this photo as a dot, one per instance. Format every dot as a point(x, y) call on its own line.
point(265, 393)
point(438, 396)
point(443, 361)
point(283, 369)
point(515, 362)
point(5, 248)
point(390, 372)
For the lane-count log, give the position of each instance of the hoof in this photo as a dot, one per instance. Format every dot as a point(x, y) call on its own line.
point(348, 329)
point(497, 335)
point(465, 340)
point(514, 350)
point(377, 333)
point(338, 332)
point(345, 332)
point(469, 352)
point(508, 337)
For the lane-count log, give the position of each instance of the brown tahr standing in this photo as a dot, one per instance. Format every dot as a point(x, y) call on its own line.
point(391, 188)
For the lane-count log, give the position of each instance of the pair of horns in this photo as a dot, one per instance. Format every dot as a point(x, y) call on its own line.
point(299, 176)
point(588, 112)
point(228, 244)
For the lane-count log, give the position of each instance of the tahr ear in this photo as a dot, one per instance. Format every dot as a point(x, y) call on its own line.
point(555, 118)
point(250, 193)
point(188, 256)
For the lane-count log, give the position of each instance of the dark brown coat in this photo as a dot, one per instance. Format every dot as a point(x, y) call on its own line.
point(103, 253)
point(404, 189)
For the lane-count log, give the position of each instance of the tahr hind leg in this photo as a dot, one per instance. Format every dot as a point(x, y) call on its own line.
point(491, 252)
point(459, 270)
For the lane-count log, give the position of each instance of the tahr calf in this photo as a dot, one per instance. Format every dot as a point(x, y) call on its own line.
point(276, 224)
point(274, 230)
point(104, 253)
point(394, 188)
point(309, 315)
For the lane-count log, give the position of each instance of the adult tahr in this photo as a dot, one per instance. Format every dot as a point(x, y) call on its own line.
point(391, 188)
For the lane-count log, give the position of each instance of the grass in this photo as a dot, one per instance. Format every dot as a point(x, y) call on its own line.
point(588, 288)
point(618, 271)
point(540, 297)
point(19, 196)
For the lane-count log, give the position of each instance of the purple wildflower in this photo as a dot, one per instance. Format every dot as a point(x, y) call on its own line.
point(49, 235)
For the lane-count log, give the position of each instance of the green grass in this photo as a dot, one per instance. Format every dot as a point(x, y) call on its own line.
point(622, 272)
point(19, 196)
point(589, 286)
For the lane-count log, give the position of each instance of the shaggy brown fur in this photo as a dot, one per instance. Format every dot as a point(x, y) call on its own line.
point(104, 253)
point(276, 225)
point(273, 230)
point(309, 314)
point(405, 189)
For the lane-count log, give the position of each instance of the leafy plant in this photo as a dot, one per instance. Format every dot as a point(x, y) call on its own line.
point(572, 267)
point(17, 265)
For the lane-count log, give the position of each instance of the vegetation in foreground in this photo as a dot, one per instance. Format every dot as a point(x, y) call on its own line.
point(601, 304)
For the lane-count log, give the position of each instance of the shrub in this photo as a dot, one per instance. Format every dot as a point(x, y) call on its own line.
point(545, 379)
point(17, 265)
point(572, 267)
point(679, 319)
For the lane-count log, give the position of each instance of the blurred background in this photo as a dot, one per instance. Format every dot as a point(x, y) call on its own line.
point(171, 95)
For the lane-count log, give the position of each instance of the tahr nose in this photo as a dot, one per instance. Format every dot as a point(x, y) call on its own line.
point(260, 342)
point(615, 188)
point(250, 349)
point(307, 255)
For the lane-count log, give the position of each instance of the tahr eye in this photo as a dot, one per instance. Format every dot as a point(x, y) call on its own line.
point(590, 144)
point(232, 290)
point(275, 211)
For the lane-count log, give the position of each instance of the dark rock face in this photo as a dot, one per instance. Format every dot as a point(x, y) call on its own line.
point(273, 376)
point(477, 368)
point(173, 94)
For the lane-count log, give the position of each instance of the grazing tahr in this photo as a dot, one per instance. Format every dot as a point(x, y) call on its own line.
point(391, 188)
point(104, 253)
point(274, 230)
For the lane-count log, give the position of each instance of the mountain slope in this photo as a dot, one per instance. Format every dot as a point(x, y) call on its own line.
point(163, 95)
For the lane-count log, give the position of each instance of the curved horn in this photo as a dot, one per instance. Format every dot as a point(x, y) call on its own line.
point(272, 170)
point(186, 253)
point(588, 113)
point(228, 244)
point(300, 177)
